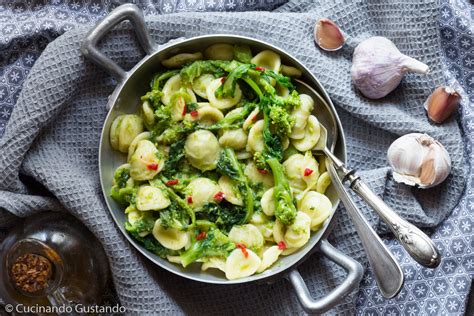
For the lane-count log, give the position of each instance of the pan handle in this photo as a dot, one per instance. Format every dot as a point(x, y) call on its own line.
point(124, 12)
point(354, 275)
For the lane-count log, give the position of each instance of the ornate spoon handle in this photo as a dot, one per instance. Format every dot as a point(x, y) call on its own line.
point(415, 242)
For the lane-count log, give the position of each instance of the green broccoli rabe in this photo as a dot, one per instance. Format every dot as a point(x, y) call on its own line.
point(224, 214)
point(200, 67)
point(230, 83)
point(154, 95)
point(285, 209)
point(139, 223)
point(174, 198)
point(123, 187)
point(174, 217)
point(175, 132)
point(215, 244)
point(233, 120)
point(273, 147)
point(229, 165)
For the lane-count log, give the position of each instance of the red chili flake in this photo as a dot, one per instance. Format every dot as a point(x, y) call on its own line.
point(194, 113)
point(223, 79)
point(190, 200)
point(259, 68)
point(281, 245)
point(201, 235)
point(308, 171)
point(185, 109)
point(262, 171)
point(219, 196)
point(254, 118)
point(243, 248)
point(172, 182)
point(153, 166)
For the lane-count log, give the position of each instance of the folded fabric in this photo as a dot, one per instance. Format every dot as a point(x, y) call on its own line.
point(53, 137)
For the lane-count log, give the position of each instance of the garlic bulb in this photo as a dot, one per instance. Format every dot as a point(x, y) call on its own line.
point(378, 67)
point(419, 160)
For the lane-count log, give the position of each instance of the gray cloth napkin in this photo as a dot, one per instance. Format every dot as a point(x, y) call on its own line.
point(53, 137)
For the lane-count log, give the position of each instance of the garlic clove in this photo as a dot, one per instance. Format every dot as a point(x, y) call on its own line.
point(442, 102)
point(419, 160)
point(378, 67)
point(327, 35)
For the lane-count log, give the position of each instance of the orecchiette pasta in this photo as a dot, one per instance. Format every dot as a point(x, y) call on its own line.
point(220, 52)
point(255, 139)
point(231, 193)
point(268, 60)
point(324, 181)
point(202, 190)
point(269, 257)
point(170, 238)
point(300, 115)
point(133, 145)
point(148, 113)
point(257, 176)
point(200, 85)
point(146, 162)
point(172, 86)
point(234, 138)
point(123, 130)
point(238, 265)
point(293, 167)
point(214, 263)
point(181, 59)
point(224, 102)
point(268, 202)
point(298, 233)
point(311, 135)
point(206, 115)
point(317, 206)
point(202, 150)
point(248, 235)
point(150, 198)
point(290, 71)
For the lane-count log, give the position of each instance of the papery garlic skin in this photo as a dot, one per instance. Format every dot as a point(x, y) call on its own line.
point(378, 67)
point(419, 160)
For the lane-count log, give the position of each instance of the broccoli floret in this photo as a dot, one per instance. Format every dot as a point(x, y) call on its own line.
point(281, 120)
point(174, 217)
point(285, 209)
point(175, 131)
point(229, 165)
point(260, 161)
point(215, 244)
point(224, 214)
point(123, 188)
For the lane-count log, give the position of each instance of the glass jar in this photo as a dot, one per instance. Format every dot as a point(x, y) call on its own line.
point(52, 259)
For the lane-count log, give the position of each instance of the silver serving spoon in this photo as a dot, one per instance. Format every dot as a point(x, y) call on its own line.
point(418, 245)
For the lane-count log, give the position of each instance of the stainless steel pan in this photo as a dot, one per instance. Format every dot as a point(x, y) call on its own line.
point(133, 84)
